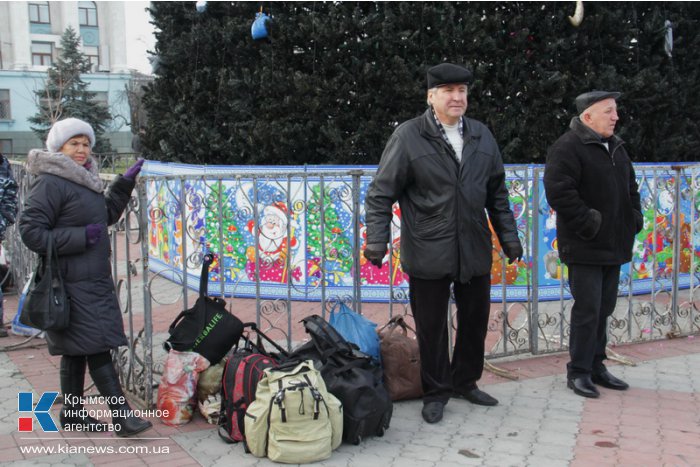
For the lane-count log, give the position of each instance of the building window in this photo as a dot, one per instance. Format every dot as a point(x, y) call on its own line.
point(42, 53)
point(6, 147)
point(5, 113)
point(39, 13)
point(87, 12)
point(93, 56)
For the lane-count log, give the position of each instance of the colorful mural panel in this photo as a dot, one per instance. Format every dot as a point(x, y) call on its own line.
point(294, 232)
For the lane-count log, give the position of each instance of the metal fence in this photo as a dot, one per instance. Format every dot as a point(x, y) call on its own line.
point(658, 291)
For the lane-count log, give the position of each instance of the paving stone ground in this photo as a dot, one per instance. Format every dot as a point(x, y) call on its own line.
point(538, 422)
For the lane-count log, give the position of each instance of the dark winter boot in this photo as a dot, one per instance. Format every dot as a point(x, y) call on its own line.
point(72, 374)
point(107, 382)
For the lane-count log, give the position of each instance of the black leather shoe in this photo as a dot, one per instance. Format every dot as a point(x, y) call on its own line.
point(607, 380)
point(477, 396)
point(583, 386)
point(432, 411)
point(128, 425)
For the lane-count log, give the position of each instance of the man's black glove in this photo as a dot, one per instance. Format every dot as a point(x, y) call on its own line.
point(375, 253)
point(513, 251)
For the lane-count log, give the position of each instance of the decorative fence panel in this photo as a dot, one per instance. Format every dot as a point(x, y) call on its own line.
point(289, 240)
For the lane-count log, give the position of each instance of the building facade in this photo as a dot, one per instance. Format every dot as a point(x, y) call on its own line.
point(30, 40)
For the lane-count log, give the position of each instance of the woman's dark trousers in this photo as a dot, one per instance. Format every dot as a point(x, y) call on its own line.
point(72, 378)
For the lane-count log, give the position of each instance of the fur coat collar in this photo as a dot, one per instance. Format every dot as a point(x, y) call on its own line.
point(40, 162)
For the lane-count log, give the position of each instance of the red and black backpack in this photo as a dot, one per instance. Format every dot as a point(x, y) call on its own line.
point(242, 372)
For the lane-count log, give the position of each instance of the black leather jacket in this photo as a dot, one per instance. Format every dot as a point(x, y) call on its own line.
point(444, 228)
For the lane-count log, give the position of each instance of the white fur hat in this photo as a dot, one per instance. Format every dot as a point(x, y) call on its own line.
point(65, 129)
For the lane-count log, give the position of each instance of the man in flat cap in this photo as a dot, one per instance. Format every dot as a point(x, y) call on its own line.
point(590, 183)
point(445, 171)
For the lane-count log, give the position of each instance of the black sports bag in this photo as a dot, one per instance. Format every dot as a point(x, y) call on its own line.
point(351, 376)
point(207, 328)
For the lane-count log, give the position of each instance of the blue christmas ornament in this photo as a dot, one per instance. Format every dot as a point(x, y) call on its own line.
point(259, 29)
point(201, 6)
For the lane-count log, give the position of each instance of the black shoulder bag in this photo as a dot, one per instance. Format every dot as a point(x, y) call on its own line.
point(207, 328)
point(46, 307)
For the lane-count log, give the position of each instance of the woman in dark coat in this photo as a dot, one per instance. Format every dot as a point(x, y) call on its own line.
point(67, 203)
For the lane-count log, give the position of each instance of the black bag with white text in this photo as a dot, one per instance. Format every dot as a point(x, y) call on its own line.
point(207, 328)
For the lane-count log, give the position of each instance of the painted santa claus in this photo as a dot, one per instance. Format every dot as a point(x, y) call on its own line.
point(272, 236)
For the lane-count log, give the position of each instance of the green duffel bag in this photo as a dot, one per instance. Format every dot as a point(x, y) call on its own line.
point(293, 419)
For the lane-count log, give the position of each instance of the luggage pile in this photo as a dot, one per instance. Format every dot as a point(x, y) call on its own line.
point(297, 407)
point(293, 407)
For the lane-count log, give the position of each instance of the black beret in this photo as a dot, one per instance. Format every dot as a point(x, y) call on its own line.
point(448, 73)
point(587, 99)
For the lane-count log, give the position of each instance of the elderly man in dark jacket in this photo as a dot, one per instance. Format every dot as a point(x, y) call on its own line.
point(590, 183)
point(445, 170)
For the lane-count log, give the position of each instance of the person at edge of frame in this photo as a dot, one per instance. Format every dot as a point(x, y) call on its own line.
point(446, 171)
point(8, 213)
point(590, 183)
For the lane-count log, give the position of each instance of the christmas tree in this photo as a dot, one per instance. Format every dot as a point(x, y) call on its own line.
point(65, 94)
point(332, 80)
